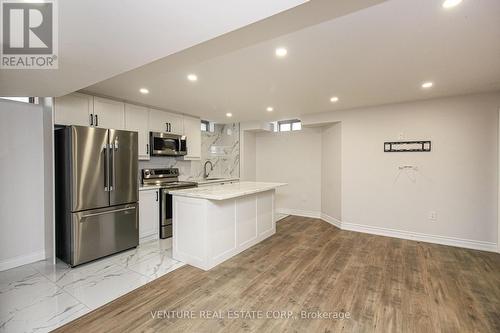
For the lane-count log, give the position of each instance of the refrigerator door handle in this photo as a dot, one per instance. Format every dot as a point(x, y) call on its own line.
point(112, 168)
point(106, 168)
point(108, 212)
point(113, 147)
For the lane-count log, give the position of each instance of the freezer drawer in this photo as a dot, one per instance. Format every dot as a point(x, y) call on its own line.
point(101, 232)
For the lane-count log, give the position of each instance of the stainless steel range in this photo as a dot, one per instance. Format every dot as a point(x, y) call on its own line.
point(167, 179)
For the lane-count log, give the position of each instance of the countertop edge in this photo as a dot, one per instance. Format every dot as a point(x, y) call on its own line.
point(227, 196)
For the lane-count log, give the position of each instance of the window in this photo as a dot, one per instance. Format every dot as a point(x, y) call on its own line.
point(20, 99)
point(296, 126)
point(288, 125)
point(285, 127)
point(204, 126)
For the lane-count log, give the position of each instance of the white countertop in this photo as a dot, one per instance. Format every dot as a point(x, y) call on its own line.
point(200, 182)
point(205, 181)
point(148, 187)
point(226, 191)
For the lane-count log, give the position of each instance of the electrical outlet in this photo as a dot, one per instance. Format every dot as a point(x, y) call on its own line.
point(433, 216)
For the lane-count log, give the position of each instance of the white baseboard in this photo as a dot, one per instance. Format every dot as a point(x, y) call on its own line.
point(21, 260)
point(299, 212)
point(278, 216)
point(331, 220)
point(148, 238)
point(421, 237)
point(387, 232)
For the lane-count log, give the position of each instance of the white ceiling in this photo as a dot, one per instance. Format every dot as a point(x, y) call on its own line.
point(374, 56)
point(99, 39)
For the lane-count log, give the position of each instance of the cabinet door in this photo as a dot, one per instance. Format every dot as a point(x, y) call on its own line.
point(136, 119)
point(176, 123)
point(109, 113)
point(192, 131)
point(162, 121)
point(149, 214)
point(73, 109)
point(158, 120)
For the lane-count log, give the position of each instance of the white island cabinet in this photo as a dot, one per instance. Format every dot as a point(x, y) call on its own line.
point(212, 224)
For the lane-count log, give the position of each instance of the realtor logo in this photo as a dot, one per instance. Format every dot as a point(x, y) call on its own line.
point(29, 34)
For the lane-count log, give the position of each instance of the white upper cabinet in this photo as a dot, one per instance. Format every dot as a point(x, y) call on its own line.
point(192, 131)
point(162, 121)
point(109, 113)
point(136, 119)
point(157, 120)
point(74, 109)
point(176, 124)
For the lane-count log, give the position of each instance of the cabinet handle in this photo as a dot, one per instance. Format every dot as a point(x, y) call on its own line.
point(147, 148)
point(156, 195)
point(96, 121)
point(169, 127)
point(91, 119)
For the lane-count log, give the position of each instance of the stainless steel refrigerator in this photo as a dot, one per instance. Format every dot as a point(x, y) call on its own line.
point(96, 192)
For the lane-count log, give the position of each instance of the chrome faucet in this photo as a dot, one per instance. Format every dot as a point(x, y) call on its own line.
point(205, 173)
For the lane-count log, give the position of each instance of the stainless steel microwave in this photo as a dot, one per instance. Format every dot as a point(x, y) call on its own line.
point(166, 144)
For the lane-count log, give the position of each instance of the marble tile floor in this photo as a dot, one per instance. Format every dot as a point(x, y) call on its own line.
point(40, 297)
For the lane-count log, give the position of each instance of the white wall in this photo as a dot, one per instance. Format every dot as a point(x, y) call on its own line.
point(48, 161)
point(22, 220)
point(248, 151)
point(457, 180)
point(331, 171)
point(293, 158)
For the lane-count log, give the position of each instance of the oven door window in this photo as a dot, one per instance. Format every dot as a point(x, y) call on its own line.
point(165, 144)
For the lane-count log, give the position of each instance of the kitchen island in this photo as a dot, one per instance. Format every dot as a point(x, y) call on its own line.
point(213, 223)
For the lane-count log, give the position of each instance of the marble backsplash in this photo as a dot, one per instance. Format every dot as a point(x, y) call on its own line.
point(221, 147)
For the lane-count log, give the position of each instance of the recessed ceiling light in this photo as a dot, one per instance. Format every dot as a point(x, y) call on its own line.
point(229, 114)
point(281, 52)
point(144, 91)
point(451, 3)
point(427, 85)
point(270, 109)
point(192, 77)
point(334, 99)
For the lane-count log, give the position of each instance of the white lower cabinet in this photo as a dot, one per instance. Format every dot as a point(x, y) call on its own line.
point(208, 232)
point(149, 215)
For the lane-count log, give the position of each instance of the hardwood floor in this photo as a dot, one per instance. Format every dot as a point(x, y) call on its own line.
point(386, 285)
